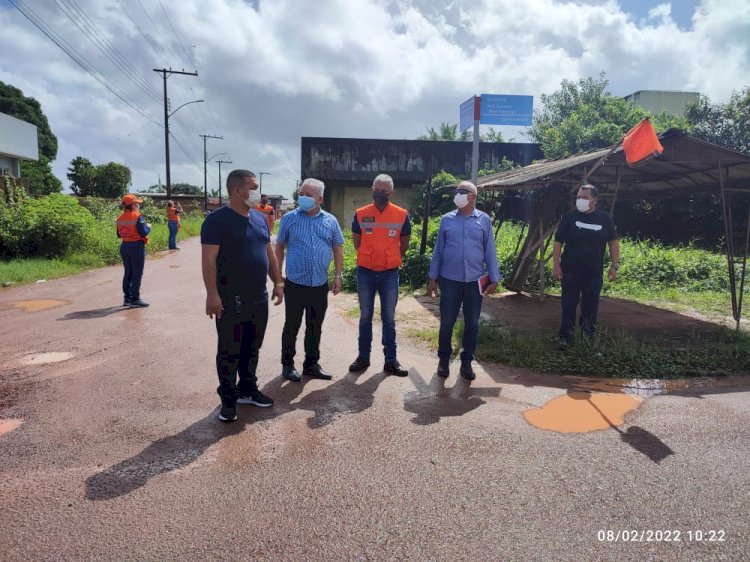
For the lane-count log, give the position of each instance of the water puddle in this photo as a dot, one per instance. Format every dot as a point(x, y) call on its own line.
point(44, 358)
point(581, 411)
point(174, 266)
point(40, 304)
point(6, 426)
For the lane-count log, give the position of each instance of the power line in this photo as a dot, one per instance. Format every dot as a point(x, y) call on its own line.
point(179, 42)
point(89, 29)
point(79, 59)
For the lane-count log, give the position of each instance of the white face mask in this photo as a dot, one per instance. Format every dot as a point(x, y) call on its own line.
point(582, 205)
point(253, 198)
point(461, 200)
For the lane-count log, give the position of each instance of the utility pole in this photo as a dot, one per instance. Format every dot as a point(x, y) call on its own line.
point(205, 162)
point(220, 162)
point(260, 187)
point(165, 73)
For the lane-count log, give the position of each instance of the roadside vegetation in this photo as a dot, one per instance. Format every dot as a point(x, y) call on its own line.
point(58, 235)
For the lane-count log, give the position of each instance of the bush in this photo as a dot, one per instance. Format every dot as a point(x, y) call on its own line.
point(49, 227)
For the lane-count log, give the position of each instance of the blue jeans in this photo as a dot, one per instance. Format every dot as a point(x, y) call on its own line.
point(584, 286)
point(133, 256)
point(384, 283)
point(453, 294)
point(173, 226)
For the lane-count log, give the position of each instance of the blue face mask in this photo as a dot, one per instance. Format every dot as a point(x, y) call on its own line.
point(306, 203)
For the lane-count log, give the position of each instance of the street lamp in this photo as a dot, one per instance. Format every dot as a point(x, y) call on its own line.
point(166, 141)
point(260, 187)
point(205, 172)
point(220, 162)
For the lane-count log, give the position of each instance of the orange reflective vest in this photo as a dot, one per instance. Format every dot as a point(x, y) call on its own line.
point(268, 211)
point(172, 214)
point(127, 229)
point(380, 236)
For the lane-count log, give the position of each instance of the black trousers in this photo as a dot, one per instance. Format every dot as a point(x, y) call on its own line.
point(313, 303)
point(133, 256)
point(241, 330)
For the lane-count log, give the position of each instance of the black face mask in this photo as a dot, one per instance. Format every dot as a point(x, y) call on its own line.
point(379, 198)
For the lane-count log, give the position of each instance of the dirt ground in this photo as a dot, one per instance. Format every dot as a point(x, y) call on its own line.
point(526, 313)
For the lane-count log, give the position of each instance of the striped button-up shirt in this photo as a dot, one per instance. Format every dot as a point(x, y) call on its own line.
point(309, 245)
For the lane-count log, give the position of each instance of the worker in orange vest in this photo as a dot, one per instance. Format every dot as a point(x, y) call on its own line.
point(268, 212)
point(133, 231)
point(173, 223)
point(381, 233)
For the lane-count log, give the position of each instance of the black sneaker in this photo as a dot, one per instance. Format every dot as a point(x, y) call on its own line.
point(227, 413)
point(395, 368)
point(256, 398)
point(562, 344)
point(466, 371)
point(443, 369)
point(290, 373)
point(126, 302)
point(138, 304)
point(360, 364)
point(316, 372)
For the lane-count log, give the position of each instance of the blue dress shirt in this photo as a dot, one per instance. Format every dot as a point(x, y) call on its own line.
point(465, 248)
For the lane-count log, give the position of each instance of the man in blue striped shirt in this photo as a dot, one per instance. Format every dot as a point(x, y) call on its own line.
point(310, 237)
point(464, 254)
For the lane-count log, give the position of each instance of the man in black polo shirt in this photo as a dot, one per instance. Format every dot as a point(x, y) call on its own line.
point(584, 232)
point(237, 256)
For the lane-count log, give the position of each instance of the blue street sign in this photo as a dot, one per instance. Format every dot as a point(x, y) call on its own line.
point(466, 115)
point(505, 110)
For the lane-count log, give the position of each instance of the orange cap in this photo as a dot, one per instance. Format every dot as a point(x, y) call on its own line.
point(129, 199)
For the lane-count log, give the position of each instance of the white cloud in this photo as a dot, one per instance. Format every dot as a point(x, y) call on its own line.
point(274, 71)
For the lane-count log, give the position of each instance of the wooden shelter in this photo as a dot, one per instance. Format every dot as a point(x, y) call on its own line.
point(687, 166)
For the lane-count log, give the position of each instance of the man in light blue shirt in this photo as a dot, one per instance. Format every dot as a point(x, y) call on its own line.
point(310, 237)
point(464, 259)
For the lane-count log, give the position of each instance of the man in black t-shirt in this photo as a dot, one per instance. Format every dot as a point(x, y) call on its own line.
point(584, 232)
point(237, 256)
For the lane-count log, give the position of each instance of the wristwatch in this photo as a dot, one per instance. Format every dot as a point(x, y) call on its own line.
point(615, 265)
point(279, 284)
point(337, 276)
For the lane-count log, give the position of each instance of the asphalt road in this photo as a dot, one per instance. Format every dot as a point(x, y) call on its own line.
point(110, 448)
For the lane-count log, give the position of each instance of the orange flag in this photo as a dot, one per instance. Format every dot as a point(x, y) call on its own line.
point(641, 143)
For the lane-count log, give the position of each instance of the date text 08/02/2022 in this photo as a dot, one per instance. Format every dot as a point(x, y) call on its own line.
point(659, 535)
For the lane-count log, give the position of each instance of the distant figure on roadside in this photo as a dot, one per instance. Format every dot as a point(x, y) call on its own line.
point(464, 265)
point(173, 223)
point(380, 233)
point(133, 230)
point(584, 233)
point(267, 211)
point(237, 256)
point(311, 237)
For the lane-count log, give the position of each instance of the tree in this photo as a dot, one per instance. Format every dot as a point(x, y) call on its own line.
point(82, 176)
point(584, 116)
point(187, 189)
point(41, 179)
point(112, 180)
point(491, 136)
point(727, 125)
point(445, 132)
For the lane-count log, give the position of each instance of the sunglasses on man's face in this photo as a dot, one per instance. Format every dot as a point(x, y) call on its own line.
point(463, 191)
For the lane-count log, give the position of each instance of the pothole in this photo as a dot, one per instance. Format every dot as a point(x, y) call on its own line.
point(6, 426)
point(36, 305)
point(580, 412)
point(44, 358)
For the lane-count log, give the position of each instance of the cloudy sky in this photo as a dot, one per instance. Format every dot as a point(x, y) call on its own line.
point(272, 71)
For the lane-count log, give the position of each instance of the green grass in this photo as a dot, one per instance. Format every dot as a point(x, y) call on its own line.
point(721, 352)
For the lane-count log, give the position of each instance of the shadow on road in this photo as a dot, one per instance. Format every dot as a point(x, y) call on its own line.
point(96, 313)
point(637, 437)
point(433, 401)
point(180, 450)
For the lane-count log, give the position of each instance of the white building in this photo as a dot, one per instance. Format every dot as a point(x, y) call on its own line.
point(18, 142)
